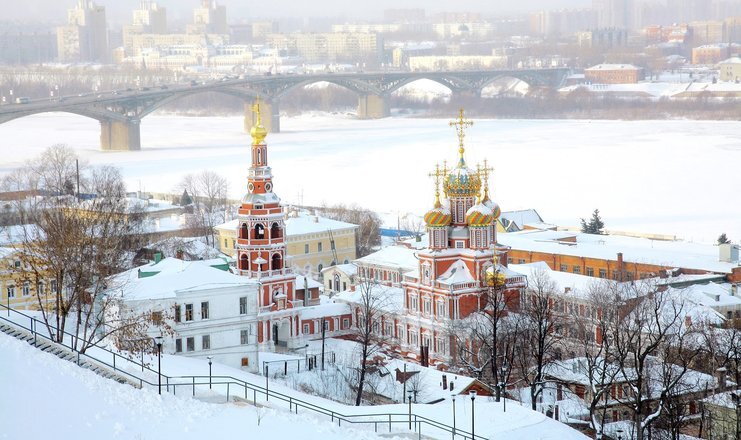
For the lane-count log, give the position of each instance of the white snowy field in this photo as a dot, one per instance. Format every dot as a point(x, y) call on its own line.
point(44, 397)
point(670, 177)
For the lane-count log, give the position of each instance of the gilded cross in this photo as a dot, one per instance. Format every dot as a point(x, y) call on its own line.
point(256, 110)
point(460, 125)
point(437, 174)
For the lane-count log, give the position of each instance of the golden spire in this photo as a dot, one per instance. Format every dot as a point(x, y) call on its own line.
point(258, 132)
point(437, 175)
point(484, 175)
point(460, 125)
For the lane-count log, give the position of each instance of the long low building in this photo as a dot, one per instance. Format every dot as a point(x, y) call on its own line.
point(620, 257)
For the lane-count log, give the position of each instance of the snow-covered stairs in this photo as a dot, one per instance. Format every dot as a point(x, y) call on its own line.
point(66, 353)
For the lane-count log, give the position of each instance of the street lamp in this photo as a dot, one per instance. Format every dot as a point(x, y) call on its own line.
point(158, 341)
point(620, 434)
point(209, 370)
point(452, 397)
point(409, 399)
point(472, 393)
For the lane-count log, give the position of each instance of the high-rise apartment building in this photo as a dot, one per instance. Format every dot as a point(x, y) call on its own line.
point(210, 18)
point(614, 13)
point(85, 37)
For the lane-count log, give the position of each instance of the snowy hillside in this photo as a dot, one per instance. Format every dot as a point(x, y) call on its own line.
point(76, 403)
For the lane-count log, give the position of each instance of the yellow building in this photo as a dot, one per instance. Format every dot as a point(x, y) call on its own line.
point(18, 289)
point(313, 242)
point(730, 69)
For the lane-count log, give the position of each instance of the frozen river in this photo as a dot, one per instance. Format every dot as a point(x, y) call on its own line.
point(672, 177)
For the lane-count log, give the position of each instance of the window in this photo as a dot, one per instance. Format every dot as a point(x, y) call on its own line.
point(244, 337)
point(206, 342)
point(564, 268)
point(178, 345)
point(388, 329)
point(344, 286)
point(306, 248)
point(40, 289)
point(226, 243)
point(427, 306)
point(234, 244)
point(26, 290)
point(189, 312)
point(306, 329)
point(509, 260)
point(520, 261)
point(243, 305)
point(11, 291)
point(156, 318)
point(190, 344)
point(413, 339)
point(413, 304)
point(53, 286)
point(577, 269)
point(603, 273)
point(326, 325)
point(319, 247)
point(331, 244)
point(629, 276)
point(177, 313)
point(590, 272)
point(345, 323)
point(459, 245)
point(17, 263)
point(441, 309)
point(320, 267)
point(204, 310)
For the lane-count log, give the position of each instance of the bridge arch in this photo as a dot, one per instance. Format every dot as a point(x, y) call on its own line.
point(98, 116)
point(358, 86)
point(512, 83)
point(243, 94)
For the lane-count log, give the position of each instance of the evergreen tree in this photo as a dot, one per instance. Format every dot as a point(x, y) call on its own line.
point(185, 199)
point(723, 239)
point(595, 224)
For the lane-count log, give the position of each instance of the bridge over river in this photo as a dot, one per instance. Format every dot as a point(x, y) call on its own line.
point(120, 112)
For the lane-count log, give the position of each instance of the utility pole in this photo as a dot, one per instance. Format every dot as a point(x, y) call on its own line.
point(324, 330)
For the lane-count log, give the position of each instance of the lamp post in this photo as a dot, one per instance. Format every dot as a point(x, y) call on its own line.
point(158, 341)
point(452, 397)
point(409, 399)
point(209, 370)
point(472, 393)
point(503, 386)
point(620, 434)
point(324, 330)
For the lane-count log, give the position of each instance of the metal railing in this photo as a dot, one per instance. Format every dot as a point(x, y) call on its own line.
point(234, 387)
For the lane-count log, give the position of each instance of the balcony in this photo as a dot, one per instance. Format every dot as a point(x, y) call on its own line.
point(265, 273)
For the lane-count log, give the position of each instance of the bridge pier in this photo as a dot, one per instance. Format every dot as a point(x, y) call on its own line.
point(120, 135)
point(272, 124)
point(373, 107)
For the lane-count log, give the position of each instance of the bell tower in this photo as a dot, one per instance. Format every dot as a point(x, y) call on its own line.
point(261, 246)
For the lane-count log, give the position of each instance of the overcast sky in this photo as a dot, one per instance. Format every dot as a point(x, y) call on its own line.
point(119, 11)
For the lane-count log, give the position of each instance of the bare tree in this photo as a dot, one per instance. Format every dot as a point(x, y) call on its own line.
point(371, 309)
point(650, 347)
point(540, 326)
point(71, 245)
point(368, 237)
point(208, 191)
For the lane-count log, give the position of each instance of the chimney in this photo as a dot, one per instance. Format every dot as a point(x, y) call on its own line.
point(721, 376)
point(157, 257)
point(620, 266)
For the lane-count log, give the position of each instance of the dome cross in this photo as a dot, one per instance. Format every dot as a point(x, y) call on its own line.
point(460, 125)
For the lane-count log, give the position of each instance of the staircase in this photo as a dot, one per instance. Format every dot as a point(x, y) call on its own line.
point(65, 353)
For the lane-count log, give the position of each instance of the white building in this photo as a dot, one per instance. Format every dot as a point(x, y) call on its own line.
point(212, 311)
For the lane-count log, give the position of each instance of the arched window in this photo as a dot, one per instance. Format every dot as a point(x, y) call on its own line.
point(276, 263)
point(337, 282)
point(320, 267)
point(244, 231)
point(244, 262)
point(259, 156)
point(259, 231)
point(275, 231)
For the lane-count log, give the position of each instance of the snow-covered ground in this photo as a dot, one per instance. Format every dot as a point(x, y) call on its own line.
point(671, 177)
point(44, 397)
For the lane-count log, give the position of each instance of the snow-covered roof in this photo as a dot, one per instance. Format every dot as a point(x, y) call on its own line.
point(389, 299)
point(193, 246)
point(312, 284)
point(635, 250)
point(457, 273)
point(171, 276)
point(577, 284)
point(310, 224)
point(723, 399)
point(732, 60)
point(326, 309)
point(392, 256)
point(300, 224)
point(711, 295)
point(521, 217)
point(349, 269)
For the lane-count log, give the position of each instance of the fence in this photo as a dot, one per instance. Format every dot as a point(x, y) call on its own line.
point(233, 387)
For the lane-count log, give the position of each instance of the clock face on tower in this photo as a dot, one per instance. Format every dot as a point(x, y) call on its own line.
point(268, 187)
point(251, 187)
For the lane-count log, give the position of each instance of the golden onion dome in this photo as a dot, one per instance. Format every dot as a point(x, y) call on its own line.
point(258, 133)
point(462, 182)
point(439, 216)
point(494, 276)
point(479, 216)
